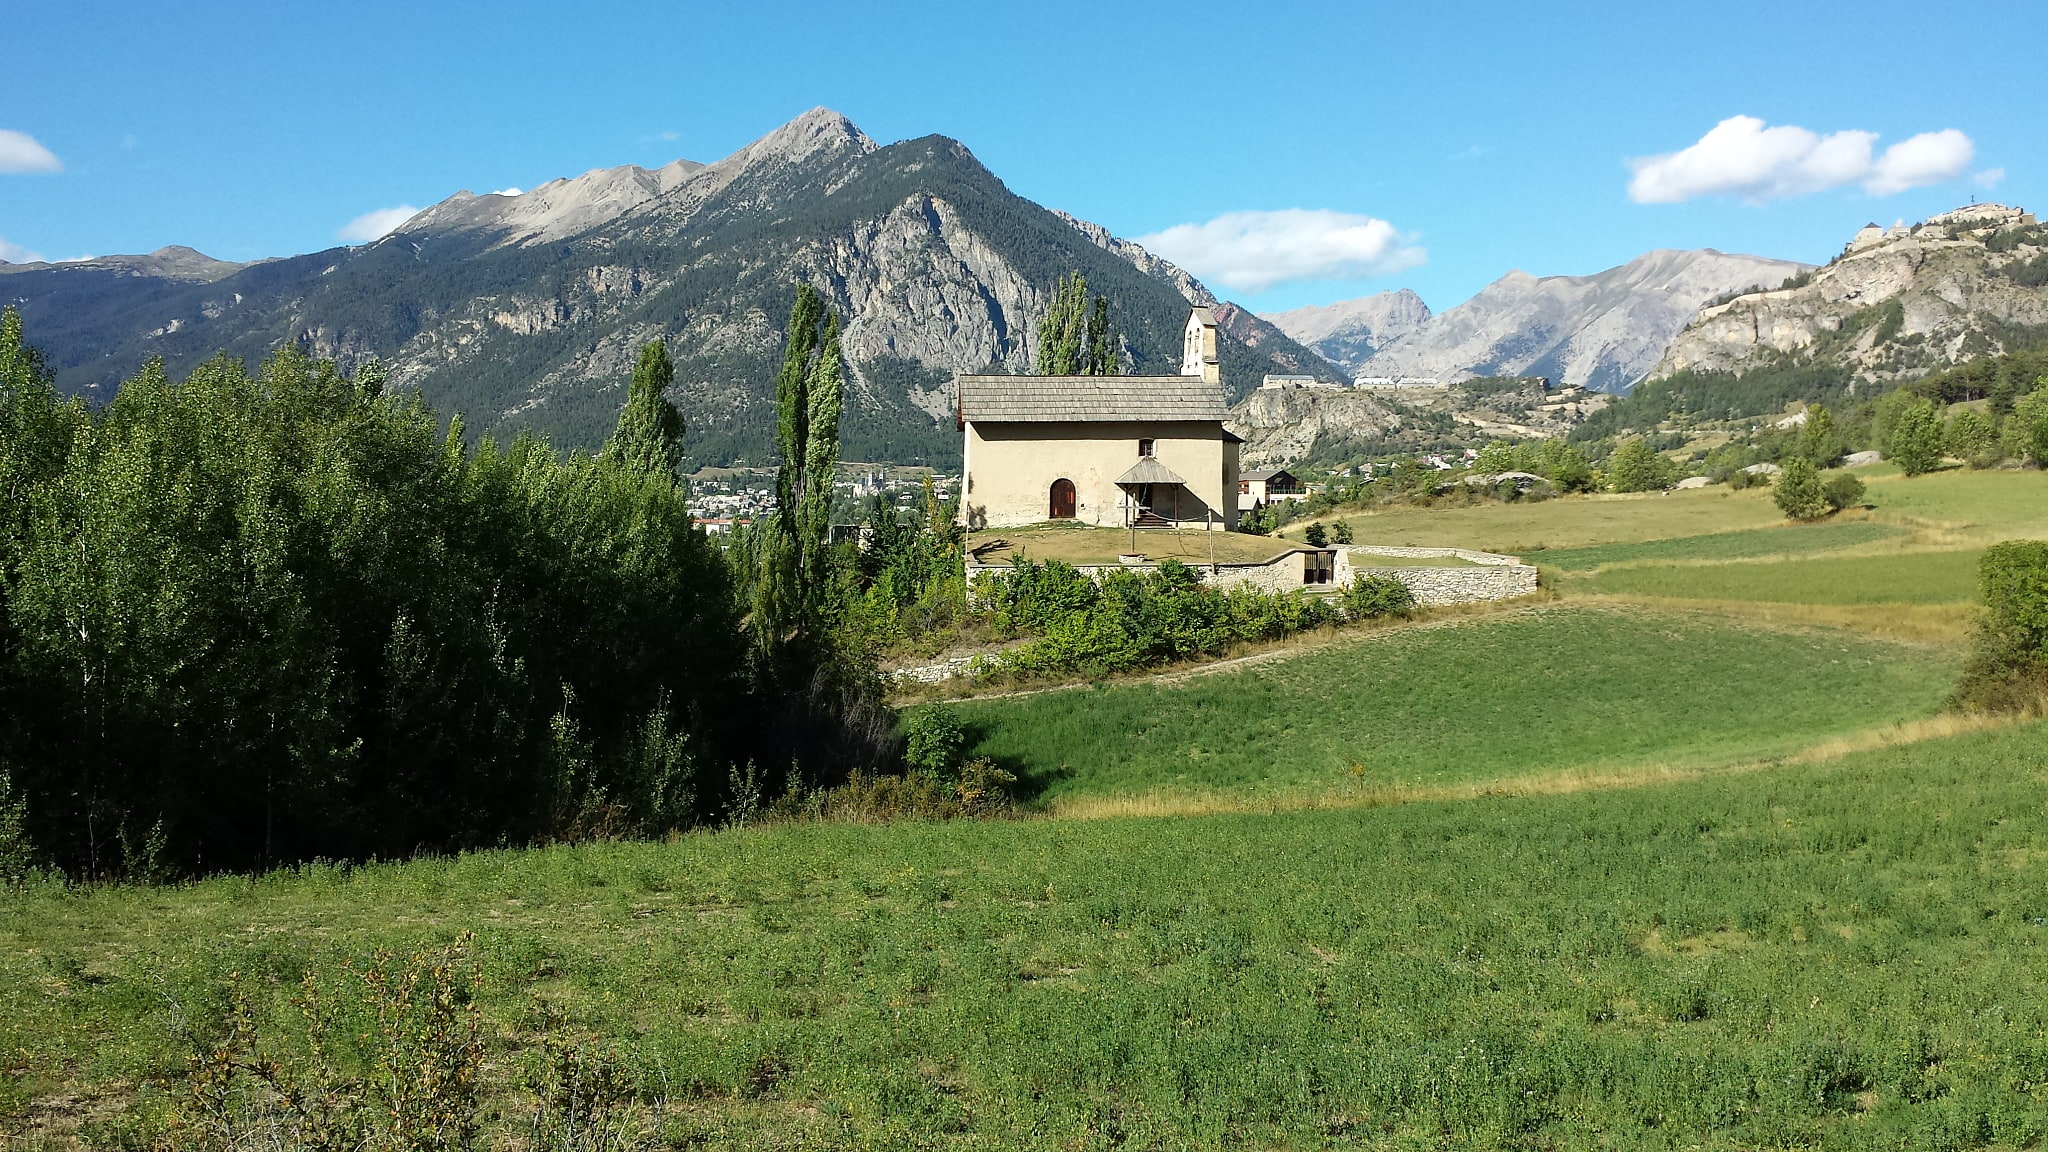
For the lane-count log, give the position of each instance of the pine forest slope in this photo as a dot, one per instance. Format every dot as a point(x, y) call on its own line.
point(526, 311)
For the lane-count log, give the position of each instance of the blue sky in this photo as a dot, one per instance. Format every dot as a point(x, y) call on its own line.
point(1483, 137)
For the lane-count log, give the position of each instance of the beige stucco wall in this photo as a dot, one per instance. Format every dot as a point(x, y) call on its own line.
point(1010, 469)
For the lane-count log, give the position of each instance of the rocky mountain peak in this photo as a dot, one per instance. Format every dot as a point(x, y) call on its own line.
point(818, 130)
point(1603, 332)
point(1898, 301)
point(1348, 332)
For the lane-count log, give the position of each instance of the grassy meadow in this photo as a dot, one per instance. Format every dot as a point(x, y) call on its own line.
point(1848, 954)
point(1563, 689)
point(1684, 855)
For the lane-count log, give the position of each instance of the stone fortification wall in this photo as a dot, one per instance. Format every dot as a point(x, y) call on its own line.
point(1492, 577)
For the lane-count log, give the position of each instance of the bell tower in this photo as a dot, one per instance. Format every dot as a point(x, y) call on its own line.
point(1198, 355)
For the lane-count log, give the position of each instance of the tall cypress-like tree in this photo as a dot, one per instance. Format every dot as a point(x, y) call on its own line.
point(649, 436)
point(809, 395)
point(824, 399)
point(1074, 339)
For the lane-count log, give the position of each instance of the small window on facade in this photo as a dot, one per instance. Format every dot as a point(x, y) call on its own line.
point(1144, 447)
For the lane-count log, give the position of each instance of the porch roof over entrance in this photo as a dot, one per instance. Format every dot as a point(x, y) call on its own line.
point(1148, 470)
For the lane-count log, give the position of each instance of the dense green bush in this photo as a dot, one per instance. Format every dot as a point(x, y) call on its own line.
point(1842, 491)
point(1798, 491)
point(1636, 467)
point(933, 741)
point(1130, 618)
point(2029, 424)
point(1910, 432)
point(1372, 595)
point(2008, 667)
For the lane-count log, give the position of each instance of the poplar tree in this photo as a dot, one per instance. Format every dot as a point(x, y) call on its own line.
point(1073, 338)
point(809, 395)
point(649, 436)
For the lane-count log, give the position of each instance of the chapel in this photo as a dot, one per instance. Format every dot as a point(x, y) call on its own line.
point(1110, 451)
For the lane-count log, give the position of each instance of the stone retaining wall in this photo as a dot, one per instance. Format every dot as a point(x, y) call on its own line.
point(1493, 576)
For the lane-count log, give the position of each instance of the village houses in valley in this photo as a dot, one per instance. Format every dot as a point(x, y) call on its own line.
point(1111, 451)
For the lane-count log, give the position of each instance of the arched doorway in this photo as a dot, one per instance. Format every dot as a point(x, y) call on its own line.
point(1063, 499)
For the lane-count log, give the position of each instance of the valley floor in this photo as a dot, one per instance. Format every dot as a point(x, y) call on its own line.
point(1688, 856)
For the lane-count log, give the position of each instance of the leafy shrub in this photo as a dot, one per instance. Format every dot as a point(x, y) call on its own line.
point(1341, 533)
point(1317, 536)
point(1373, 595)
point(2029, 424)
point(1911, 432)
point(1131, 618)
point(1636, 467)
point(933, 740)
point(2008, 665)
point(1842, 491)
point(1798, 493)
point(1970, 435)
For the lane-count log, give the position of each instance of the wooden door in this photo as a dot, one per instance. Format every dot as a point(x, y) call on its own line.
point(1063, 499)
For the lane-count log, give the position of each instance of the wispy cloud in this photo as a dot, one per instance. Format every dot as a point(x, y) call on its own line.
point(15, 254)
point(1253, 251)
point(373, 225)
point(21, 152)
point(1989, 178)
point(1742, 156)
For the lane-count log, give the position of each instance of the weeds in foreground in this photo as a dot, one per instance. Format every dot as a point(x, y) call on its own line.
point(410, 1083)
point(391, 1058)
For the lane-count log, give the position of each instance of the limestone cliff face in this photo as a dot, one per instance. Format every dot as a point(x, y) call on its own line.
point(1282, 425)
point(1897, 302)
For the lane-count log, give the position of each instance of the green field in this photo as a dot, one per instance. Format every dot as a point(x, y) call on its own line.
point(1557, 690)
point(1845, 955)
point(1912, 578)
point(1755, 543)
point(1959, 506)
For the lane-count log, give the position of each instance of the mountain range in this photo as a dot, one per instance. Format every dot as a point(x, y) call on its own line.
point(1897, 302)
point(526, 311)
point(1604, 332)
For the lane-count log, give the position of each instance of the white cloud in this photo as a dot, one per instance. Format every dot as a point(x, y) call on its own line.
point(15, 254)
point(1741, 156)
point(1989, 178)
point(1252, 251)
point(373, 225)
point(21, 152)
point(1929, 158)
point(515, 190)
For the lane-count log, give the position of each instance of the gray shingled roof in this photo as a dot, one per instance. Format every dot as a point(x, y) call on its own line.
point(1148, 470)
point(1065, 399)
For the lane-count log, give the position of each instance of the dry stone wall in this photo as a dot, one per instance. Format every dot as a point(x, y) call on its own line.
point(1490, 576)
